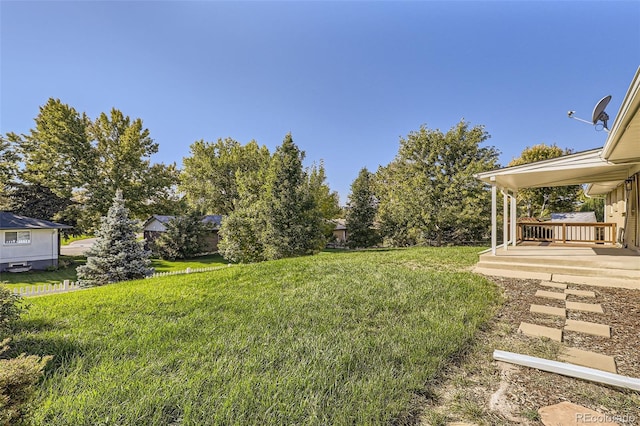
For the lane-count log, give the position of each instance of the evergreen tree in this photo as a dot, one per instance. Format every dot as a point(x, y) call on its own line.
point(116, 255)
point(185, 237)
point(277, 215)
point(8, 169)
point(293, 222)
point(361, 212)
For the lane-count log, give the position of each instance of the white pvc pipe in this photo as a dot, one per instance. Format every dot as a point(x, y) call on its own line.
point(569, 370)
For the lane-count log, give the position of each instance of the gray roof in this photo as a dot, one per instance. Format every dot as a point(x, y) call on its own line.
point(576, 217)
point(13, 221)
point(214, 219)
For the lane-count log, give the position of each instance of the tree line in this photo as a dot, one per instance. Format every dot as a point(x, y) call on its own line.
point(69, 167)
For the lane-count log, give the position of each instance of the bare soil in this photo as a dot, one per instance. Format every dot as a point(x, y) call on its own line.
point(479, 390)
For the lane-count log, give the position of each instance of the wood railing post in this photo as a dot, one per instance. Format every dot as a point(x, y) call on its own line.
point(564, 233)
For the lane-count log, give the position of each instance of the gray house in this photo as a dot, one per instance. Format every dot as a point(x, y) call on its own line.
point(156, 225)
point(28, 243)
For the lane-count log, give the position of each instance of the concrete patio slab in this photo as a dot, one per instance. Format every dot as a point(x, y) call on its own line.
point(589, 359)
point(567, 414)
point(551, 295)
point(582, 293)
point(540, 331)
point(592, 328)
point(585, 307)
point(548, 310)
point(561, 286)
point(630, 283)
point(524, 275)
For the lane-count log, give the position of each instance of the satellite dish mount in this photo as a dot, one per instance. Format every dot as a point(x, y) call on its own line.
point(598, 114)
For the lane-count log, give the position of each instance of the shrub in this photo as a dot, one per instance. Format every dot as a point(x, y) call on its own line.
point(18, 376)
point(10, 310)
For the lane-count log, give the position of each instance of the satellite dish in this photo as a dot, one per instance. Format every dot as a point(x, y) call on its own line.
point(599, 114)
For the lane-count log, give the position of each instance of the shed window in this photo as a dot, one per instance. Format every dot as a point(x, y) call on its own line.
point(17, 237)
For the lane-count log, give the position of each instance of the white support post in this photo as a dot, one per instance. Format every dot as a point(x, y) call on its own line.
point(505, 219)
point(494, 218)
point(514, 219)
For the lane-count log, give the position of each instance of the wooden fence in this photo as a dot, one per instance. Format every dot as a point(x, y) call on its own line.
point(67, 286)
point(568, 232)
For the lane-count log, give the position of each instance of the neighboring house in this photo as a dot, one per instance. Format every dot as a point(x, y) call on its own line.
point(340, 231)
point(28, 243)
point(156, 225)
point(612, 172)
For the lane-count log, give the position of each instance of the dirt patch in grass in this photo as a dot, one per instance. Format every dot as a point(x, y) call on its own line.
point(478, 390)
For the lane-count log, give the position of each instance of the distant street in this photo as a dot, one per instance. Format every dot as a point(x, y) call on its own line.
point(78, 247)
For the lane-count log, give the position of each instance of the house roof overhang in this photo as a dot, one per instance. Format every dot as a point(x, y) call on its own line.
point(575, 169)
point(623, 142)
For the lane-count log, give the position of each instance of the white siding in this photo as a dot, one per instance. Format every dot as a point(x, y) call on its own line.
point(43, 246)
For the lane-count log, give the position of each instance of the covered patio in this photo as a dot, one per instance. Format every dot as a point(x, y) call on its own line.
point(602, 253)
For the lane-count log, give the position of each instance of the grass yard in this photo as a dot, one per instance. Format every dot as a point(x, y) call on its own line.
point(69, 272)
point(337, 338)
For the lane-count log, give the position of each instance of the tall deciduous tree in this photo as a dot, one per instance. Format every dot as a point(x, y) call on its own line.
point(57, 153)
point(210, 175)
point(116, 255)
point(123, 149)
point(326, 200)
point(361, 212)
point(542, 201)
point(38, 201)
point(428, 193)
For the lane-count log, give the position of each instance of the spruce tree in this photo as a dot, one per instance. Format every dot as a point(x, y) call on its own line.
point(116, 255)
point(361, 212)
point(293, 220)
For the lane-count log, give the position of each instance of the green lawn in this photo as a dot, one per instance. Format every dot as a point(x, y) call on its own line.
point(337, 338)
point(69, 273)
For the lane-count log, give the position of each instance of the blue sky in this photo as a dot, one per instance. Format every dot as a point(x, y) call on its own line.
point(347, 79)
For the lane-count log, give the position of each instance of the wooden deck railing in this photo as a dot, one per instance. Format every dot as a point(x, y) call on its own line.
point(568, 232)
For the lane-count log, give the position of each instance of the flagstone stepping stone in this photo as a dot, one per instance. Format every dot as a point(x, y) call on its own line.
point(540, 331)
point(592, 328)
point(567, 414)
point(583, 293)
point(585, 307)
point(589, 359)
point(551, 294)
point(554, 285)
point(548, 310)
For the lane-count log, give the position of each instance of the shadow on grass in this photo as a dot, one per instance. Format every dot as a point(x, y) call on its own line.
point(62, 349)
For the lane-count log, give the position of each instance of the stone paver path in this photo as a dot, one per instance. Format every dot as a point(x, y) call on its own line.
point(572, 355)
